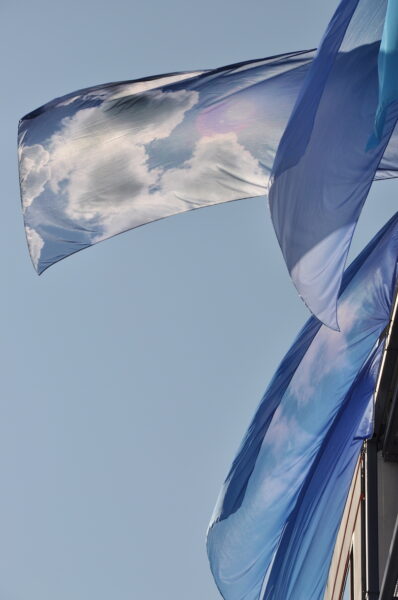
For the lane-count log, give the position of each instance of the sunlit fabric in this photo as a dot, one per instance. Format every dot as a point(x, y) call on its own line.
point(388, 69)
point(103, 160)
point(268, 536)
point(301, 565)
point(324, 166)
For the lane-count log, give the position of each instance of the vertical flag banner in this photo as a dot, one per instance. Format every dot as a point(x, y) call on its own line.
point(268, 532)
point(301, 565)
point(325, 165)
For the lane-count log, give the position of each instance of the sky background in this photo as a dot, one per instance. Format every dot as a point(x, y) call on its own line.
point(131, 370)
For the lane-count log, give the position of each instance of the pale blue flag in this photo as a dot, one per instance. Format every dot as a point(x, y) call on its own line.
point(324, 165)
point(301, 565)
point(388, 69)
point(275, 523)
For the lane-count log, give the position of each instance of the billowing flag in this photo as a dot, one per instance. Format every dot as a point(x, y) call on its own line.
point(275, 523)
point(300, 568)
point(325, 165)
point(106, 159)
point(388, 68)
point(103, 160)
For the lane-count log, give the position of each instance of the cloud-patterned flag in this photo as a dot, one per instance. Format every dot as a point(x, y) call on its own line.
point(276, 520)
point(103, 160)
point(325, 165)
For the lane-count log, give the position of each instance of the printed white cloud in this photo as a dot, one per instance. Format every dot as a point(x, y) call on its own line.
point(220, 169)
point(284, 433)
point(123, 90)
point(108, 180)
point(98, 164)
point(328, 352)
point(34, 172)
point(336, 350)
point(35, 244)
point(68, 101)
point(139, 87)
point(98, 158)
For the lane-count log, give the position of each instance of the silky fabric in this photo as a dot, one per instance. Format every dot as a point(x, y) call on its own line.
point(325, 165)
point(106, 159)
point(387, 68)
point(301, 565)
point(295, 461)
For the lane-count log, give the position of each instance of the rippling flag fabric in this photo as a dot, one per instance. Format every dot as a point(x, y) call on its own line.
point(301, 565)
point(276, 520)
point(106, 159)
point(388, 68)
point(325, 165)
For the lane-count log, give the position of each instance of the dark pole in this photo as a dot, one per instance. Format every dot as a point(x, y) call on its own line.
point(363, 526)
point(372, 530)
point(390, 578)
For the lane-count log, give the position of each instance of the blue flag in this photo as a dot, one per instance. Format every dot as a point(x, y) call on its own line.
point(110, 158)
point(269, 536)
point(301, 565)
point(388, 69)
point(325, 165)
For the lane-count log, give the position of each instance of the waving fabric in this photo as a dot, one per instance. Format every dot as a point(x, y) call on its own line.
point(110, 158)
point(301, 565)
point(388, 68)
point(324, 165)
point(268, 533)
point(106, 159)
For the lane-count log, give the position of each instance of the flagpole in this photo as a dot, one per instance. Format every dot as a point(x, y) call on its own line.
point(372, 529)
point(389, 586)
point(384, 440)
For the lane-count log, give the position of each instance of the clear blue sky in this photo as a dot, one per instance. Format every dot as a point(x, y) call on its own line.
point(131, 370)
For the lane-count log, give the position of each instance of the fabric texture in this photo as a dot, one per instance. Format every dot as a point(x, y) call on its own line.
point(269, 536)
point(387, 68)
point(106, 159)
point(319, 129)
point(324, 165)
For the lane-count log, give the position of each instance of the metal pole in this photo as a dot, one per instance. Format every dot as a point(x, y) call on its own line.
point(390, 578)
point(363, 526)
point(372, 529)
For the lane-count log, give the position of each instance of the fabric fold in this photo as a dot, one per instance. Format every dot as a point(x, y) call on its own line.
point(324, 166)
point(103, 160)
point(294, 462)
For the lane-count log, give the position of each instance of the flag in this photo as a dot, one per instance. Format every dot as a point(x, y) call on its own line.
point(275, 523)
point(387, 69)
point(300, 568)
point(324, 164)
point(103, 160)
